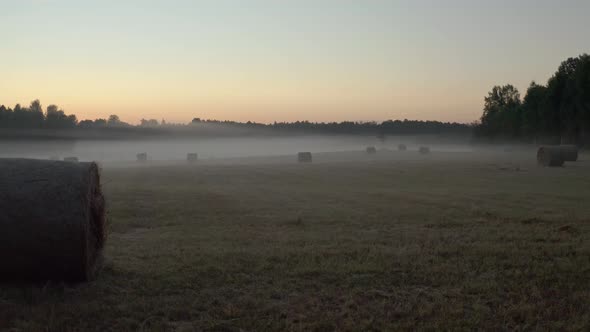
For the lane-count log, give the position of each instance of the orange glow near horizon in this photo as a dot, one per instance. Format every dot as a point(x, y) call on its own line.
point(301, 60)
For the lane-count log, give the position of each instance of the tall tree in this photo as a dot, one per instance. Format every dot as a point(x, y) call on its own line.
point(564, 110)
point(114, 120)
point(531, 110)
point(35, 117)
point(57, 119)
point(501, 114)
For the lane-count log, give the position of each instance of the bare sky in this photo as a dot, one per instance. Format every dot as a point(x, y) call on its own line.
point(273, 60)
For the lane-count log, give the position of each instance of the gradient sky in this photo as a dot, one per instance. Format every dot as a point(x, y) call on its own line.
point(273, 60)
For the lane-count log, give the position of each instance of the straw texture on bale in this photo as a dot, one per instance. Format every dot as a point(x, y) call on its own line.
point(304, 157)
point(570, 152)
point(142, 157)
point(371, 150)
point(550, 156)
point(424, 150)
point(192, 157)
point(402, 147)
point(52, 225)
point(71, 159)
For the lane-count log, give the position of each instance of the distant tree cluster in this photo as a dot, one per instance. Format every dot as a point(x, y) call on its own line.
point(33, 117)
point(389, 127)
point(556, 112)
point(112, 121)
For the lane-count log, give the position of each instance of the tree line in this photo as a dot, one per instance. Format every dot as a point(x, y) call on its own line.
point(557, 112)
point(389, 127)
point(34, 117)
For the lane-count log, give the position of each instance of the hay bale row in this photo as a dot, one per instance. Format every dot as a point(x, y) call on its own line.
point(556, 155)
point(371, 150)
point(304, 157)
point(192, 157)
point(142, 157)
point(52, 225)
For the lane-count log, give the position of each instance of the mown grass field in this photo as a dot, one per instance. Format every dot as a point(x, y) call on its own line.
point(447, 241)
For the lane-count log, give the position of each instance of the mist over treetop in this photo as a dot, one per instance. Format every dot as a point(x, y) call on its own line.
point(33, 122)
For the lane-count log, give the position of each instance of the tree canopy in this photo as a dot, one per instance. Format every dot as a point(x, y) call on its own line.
point(556, 112)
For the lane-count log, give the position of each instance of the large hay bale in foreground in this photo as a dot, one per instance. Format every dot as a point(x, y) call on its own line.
point(569, 152)
point(52, 225)
point(424, 150)
point(402, 147)
point(304, 157)
point(142, 157)
point(371, 150)
point(191, 157)
point(71, 159)
point(551, 156)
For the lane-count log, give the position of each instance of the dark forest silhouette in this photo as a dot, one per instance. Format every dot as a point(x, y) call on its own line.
point(558, 112)
point(32, 119)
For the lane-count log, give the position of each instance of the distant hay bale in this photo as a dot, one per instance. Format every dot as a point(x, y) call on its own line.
point(570, 152)
point(402, 147)
point(550, 156)
point(424, 150)
point(142, 157)
point(52, 225)
point(191, 157)
point(304, 157)
point(371, 150)
point(71, 159)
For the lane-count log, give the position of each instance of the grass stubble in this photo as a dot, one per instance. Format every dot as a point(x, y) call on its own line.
point(454, 241)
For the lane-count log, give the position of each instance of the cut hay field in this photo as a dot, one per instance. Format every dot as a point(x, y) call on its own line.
point(348, 242)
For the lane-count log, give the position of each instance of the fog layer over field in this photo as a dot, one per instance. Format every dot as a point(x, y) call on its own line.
point(212, 148)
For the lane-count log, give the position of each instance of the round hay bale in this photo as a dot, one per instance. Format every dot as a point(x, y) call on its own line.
point(424, 150)
point(142, 157)
point(402, 147)
point(371, 150)
point(71, 159)
point(52, 225)
point(304, 157)
point(550, 156)
point(570, 152)
point(192, 157)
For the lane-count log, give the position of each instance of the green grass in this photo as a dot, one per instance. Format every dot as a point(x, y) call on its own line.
point(438, 242)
